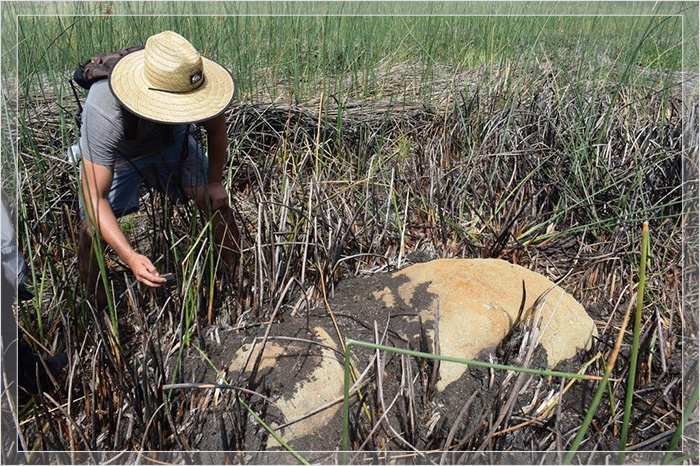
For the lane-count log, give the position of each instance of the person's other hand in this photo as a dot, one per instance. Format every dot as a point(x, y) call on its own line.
point(145, 271)
point(217, 195)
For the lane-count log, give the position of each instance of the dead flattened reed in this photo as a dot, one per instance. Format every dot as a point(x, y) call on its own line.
point(535, 168)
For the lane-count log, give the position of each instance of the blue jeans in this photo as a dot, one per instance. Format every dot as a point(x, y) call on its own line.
point(165, 170)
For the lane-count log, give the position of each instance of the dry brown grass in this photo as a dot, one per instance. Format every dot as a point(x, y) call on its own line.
point(532, 168)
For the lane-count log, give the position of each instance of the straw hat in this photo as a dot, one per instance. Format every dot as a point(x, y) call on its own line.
point(170, 82)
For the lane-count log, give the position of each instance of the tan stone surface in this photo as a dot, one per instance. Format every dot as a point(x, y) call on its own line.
point(386, 296)
point(323, 385)
point(478, 302)
point(270, 354)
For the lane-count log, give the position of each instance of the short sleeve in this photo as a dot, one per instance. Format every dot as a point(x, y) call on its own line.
point(102, 127)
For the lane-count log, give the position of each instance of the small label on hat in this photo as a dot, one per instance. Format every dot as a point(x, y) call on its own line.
point(195, 77)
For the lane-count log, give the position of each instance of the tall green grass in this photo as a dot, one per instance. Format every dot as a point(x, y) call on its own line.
point(338, 55)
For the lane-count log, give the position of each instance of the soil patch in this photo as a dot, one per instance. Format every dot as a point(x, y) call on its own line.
point(402, 407)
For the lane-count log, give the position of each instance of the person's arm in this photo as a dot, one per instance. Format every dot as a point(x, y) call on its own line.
point(96, 183)
point(217, 147)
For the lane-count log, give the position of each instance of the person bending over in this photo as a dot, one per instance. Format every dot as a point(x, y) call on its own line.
point(136, 128)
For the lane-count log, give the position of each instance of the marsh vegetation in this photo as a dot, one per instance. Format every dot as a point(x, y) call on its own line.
point(357, 141)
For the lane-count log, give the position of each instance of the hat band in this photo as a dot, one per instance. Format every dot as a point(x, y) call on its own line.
point(170, 91)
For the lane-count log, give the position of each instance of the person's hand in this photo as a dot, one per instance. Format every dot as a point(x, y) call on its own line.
point(217, 195)
point(145, 271)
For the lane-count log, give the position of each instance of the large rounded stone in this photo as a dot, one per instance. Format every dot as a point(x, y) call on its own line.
point(315, 381)
point(478, 302)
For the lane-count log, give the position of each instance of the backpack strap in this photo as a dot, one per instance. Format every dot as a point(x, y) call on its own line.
point(78, 115)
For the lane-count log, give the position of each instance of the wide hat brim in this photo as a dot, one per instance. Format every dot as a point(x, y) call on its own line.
point(209, 100)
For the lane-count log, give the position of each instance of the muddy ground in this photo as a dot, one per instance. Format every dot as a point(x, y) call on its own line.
point(421, 416)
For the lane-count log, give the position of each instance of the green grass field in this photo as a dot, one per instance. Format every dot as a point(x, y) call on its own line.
point(539, 132)
point(305, 50)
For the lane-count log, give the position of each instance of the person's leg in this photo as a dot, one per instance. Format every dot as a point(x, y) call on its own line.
point(89, 269)
point(226, 235)
point(225, 229)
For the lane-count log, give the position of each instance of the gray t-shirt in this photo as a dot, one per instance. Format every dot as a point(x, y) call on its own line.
point(104, 135)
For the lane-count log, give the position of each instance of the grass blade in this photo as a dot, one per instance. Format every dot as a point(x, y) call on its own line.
point(689, 408)
point(635, 342)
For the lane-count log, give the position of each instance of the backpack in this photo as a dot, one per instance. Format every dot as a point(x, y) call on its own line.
point(100, 67)
point(96, 69)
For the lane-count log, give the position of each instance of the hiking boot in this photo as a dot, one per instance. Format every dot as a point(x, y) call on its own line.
point(23, 294)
